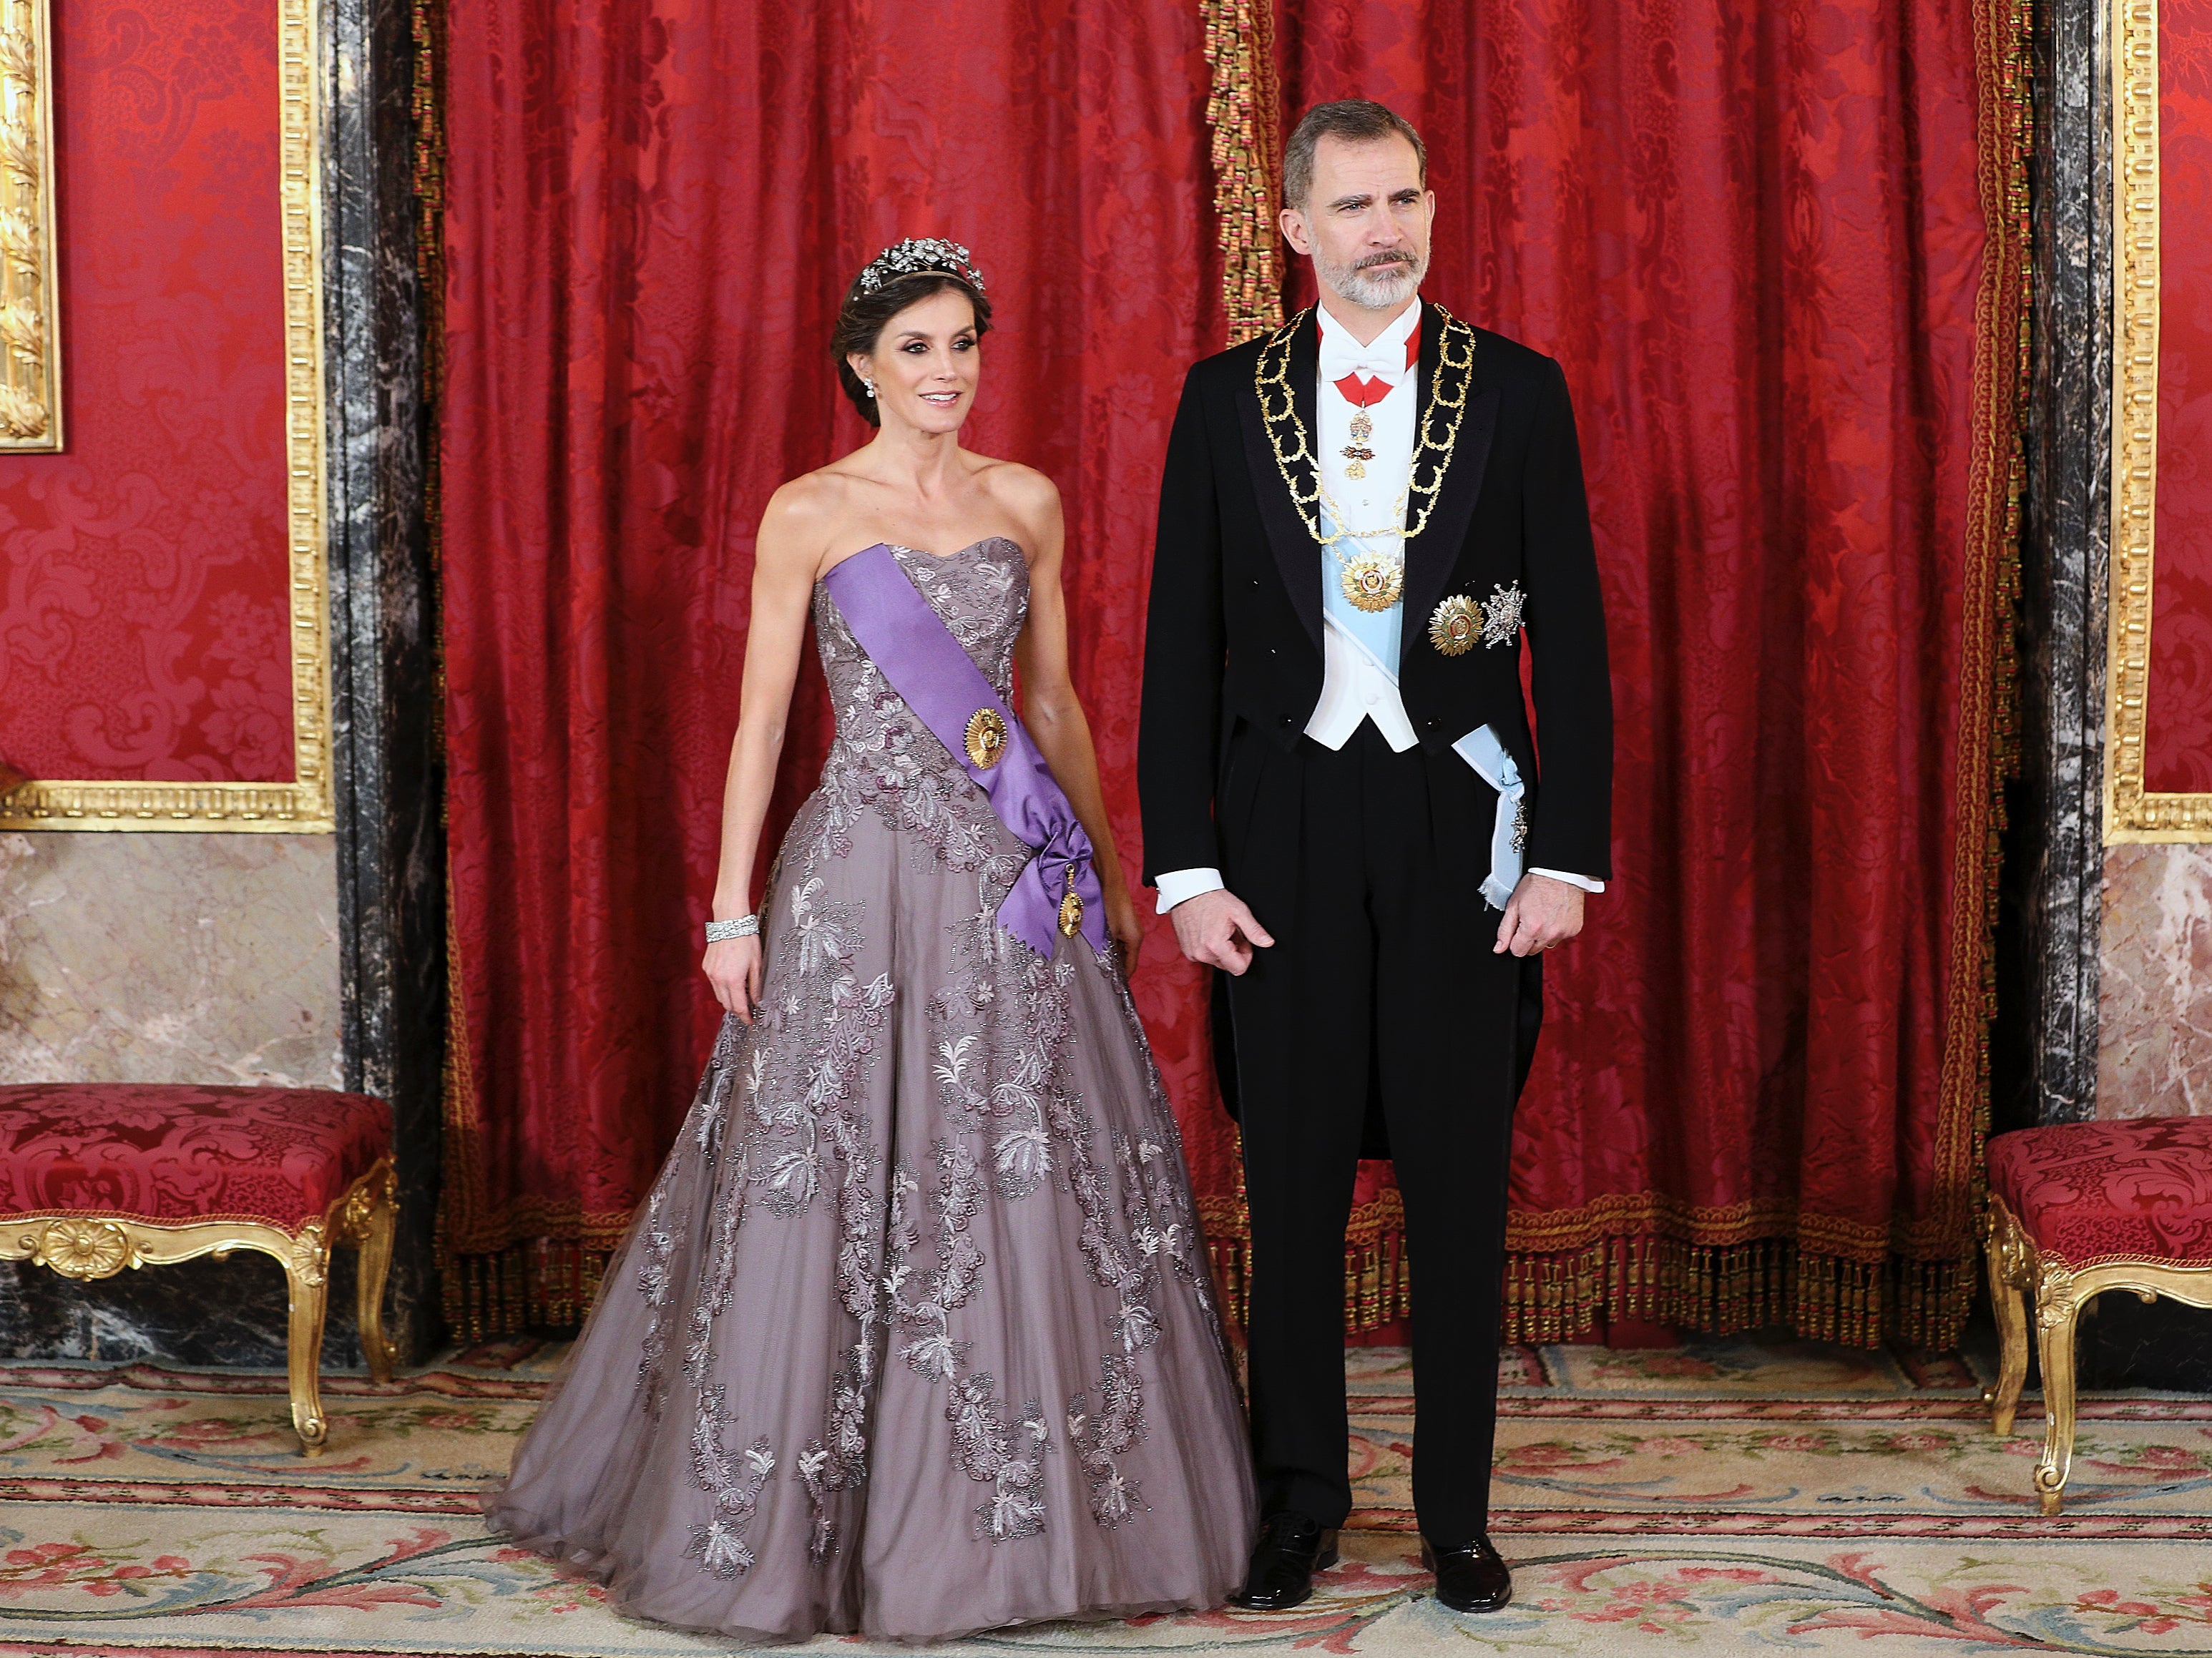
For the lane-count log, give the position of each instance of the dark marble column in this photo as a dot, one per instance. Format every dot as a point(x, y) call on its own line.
point(2044, 1052)
point(385, 685)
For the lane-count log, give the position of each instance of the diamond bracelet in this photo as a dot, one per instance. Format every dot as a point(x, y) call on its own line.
point(744, 927)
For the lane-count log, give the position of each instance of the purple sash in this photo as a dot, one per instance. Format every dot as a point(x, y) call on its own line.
point(948, 693)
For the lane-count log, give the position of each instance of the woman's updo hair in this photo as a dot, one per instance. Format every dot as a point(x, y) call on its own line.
point(868, 310)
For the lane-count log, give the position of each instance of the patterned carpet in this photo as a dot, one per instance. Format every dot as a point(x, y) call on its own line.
point(1728, 1496)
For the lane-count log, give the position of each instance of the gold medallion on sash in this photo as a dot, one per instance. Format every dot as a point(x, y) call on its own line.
point(985, 738)
point(1374, 583)
point(1070, 907)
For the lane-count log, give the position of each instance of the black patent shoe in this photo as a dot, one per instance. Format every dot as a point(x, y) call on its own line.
point(1471, 1579)
point(1290, 1549)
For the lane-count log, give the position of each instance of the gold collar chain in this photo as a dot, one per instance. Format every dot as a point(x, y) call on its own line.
point(1392, 532)
point(1287, 436)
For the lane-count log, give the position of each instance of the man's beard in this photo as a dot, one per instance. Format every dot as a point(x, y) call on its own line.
point(1376, 282)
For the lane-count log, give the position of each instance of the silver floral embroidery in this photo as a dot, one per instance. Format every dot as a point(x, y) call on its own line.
point(735, 1481)
point(1166, 1182)
point(802, 1141)
point(882, 759)
point(1113, 1431)
point(838, 1461)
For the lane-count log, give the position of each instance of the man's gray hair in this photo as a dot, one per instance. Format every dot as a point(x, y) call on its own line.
point(1355, 120)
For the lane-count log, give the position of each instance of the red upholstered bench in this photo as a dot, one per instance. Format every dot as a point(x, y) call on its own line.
point(2074, 1210)
point(96, 1177)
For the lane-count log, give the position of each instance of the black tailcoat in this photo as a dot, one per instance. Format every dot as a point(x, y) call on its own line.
point(1233, 630)
point(1381, 1015)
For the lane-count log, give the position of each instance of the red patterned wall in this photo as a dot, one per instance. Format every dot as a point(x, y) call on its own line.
point(2177, 705)
point(143, 621)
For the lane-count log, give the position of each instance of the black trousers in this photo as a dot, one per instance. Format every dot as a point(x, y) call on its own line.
point(1366, 866)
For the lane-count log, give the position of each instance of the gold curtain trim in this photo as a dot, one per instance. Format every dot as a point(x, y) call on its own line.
point(1241, 118)
point(1988, 726)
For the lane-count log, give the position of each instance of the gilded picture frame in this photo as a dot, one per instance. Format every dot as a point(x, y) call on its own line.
point(2133, 811)
point(305, 804)
point(30, 329)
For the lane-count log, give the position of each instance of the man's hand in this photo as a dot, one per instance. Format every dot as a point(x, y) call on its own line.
point(1215, 928)
point(1542, 913)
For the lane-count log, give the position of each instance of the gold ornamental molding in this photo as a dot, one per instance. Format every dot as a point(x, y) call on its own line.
point(304, 805)
point(2133, 811)
point(30, 337)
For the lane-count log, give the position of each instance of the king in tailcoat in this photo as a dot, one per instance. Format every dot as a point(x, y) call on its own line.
point(1382, 1008)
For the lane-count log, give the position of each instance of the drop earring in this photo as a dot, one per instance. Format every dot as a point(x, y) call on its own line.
point(868, 386)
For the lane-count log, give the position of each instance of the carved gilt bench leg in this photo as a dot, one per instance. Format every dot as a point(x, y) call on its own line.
point(2002, 1248)
point(365, 1216)
point(2058, 1308)
point(2062, 1290)
point(371, 1216)
point(306, 1276)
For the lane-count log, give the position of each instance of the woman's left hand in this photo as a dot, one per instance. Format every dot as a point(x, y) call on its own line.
point(1122, 922)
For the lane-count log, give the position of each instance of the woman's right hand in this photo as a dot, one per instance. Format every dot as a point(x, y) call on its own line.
point(732, 966)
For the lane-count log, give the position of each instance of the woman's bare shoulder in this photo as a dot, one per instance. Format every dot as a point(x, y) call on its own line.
point(1015, 485)
point(804, 514)
point(1024, 494)
point(816, 497)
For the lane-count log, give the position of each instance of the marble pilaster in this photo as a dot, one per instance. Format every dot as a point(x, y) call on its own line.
point(2156, 1004)
point(2044, 1049)
point(203, 958)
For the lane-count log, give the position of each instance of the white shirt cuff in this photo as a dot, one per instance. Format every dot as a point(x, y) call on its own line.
point(1177, 884)
point(1582, 881)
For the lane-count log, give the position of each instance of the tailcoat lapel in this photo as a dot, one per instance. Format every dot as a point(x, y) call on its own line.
point(1298, 555)
point(1431, 554)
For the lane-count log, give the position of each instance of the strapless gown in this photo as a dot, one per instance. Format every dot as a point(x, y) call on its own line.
point(913, 1336)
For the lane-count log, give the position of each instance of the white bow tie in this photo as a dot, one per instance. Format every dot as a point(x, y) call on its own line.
point(1342, 354)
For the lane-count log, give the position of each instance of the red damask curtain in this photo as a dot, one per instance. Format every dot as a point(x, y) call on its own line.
point(1777, 248)
point(652, 210)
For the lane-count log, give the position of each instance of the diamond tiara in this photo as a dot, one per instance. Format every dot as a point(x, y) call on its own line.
point(916, 254)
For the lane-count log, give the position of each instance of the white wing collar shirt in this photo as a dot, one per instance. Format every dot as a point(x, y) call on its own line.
point(1359, 648)
point(1359, 671)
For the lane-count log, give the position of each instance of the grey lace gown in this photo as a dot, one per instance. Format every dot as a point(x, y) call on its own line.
point(913, 1336)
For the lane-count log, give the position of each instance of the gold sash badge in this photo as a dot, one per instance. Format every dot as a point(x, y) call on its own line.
point(987, 738)
point(1070, 907)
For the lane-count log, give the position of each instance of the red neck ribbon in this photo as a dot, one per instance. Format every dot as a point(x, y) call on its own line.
point(1360, 394)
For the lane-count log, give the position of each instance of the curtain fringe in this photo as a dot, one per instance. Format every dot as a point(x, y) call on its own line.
point(1557, 1297)
point(550, 1284)
point(545, 1284)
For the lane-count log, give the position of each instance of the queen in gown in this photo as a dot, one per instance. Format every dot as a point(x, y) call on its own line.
point(913, 1335)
